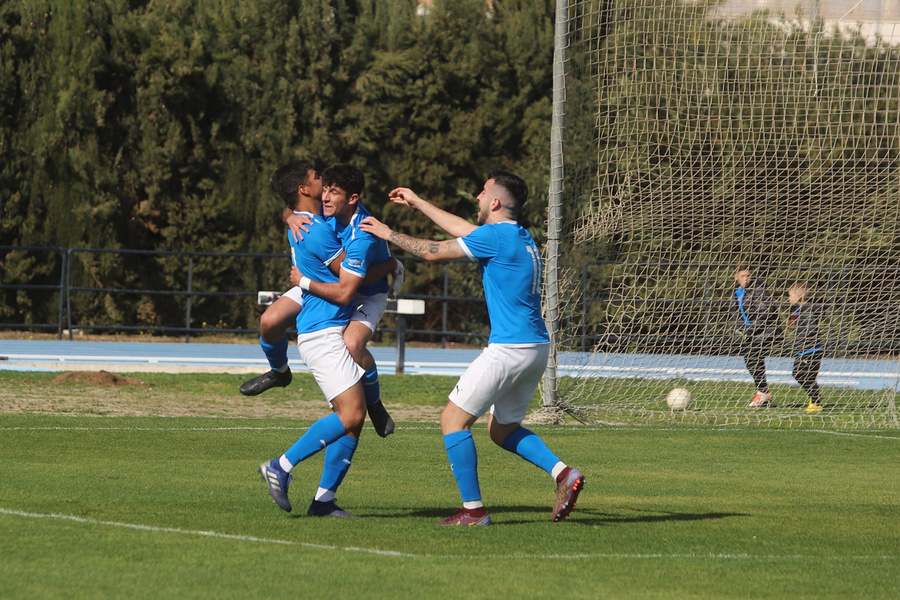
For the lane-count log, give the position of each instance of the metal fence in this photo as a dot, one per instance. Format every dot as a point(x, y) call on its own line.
point(71, 293)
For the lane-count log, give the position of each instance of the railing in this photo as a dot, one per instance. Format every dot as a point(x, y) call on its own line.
point(68, 320)
point(52, 253)
point(851, 321)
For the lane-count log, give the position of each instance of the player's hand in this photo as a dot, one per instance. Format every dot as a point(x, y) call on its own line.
point(396, 280)
point(375, 227)
point(295, 276)
point(404, 196)
point(298, 224)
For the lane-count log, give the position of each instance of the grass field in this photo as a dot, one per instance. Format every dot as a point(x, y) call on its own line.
point(94, 505)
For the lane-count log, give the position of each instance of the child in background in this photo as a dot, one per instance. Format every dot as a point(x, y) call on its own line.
point(804, 321)
point(756, 322)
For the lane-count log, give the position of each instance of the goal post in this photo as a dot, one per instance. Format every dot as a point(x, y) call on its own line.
point(691, 137)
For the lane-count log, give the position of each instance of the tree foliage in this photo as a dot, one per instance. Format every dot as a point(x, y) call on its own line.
point(144, 125)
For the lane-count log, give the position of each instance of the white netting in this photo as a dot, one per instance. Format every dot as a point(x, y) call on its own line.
point(699, 136)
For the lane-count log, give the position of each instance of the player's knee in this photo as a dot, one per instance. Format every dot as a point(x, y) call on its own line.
point(352, 419)
point(356, 345)
point(266, 325)
point(271, 327)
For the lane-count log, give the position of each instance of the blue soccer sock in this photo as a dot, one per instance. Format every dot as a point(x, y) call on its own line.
point(532, 448)
point(464, 462)
point(275, 353)
point(338, 457)
point(320, 434)
point(370, 385)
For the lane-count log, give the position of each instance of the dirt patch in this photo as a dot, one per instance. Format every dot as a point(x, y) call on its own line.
point(100, 378)
point(105, 394)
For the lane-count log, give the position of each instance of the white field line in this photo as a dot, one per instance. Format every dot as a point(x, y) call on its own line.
point(426, 427)
point(392, 553)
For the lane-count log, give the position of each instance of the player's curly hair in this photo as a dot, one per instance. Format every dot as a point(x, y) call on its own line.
point(345, 176)
point(288, 178)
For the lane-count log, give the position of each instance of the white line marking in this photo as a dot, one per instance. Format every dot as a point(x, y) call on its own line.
point(849, 434)
point(259, 540)
point(427, 427)
point(59, 428)
point(212, 534)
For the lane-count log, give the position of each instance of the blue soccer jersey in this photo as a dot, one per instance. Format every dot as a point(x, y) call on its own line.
point(363, 250)
point(512, 272)
point(312, 255)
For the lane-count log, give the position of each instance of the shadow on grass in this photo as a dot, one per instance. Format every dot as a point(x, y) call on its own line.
point(506, 515)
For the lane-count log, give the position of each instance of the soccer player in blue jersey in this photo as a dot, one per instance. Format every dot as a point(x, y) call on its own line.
point(368, 304)
point(504, 377)
point(320, 327)
point(343, 187)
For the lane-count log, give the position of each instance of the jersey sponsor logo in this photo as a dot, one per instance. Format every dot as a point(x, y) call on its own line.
point(355, 263)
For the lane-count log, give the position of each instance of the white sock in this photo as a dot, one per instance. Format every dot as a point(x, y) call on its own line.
point(557, 469)
point(473, 504)
point(285, 464)
point(323, 495)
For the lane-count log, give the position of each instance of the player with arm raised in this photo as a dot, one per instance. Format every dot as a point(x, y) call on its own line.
point(320, 327)
point(504, 377)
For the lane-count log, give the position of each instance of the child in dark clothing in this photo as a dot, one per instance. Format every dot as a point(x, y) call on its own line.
point(756, 321)
point(804, 320)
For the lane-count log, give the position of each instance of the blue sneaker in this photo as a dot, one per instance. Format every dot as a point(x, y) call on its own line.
point(328, 509)
point(278, 481)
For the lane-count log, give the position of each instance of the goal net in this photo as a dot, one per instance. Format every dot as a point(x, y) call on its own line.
point(693, 137)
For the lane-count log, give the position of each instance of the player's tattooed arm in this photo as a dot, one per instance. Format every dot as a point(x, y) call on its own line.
point(427, 249)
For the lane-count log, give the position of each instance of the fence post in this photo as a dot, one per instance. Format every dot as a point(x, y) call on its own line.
point(62, 292)
point(190, 288)
point(400, 367)
point(444, 305)
point(69, 293)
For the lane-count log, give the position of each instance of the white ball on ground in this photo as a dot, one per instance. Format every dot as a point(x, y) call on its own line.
point(679, 399)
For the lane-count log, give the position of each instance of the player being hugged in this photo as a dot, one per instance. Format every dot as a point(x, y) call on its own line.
point(504, 377)
point(320, 327)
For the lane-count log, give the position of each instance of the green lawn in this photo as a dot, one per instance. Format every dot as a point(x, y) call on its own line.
point(162, 507)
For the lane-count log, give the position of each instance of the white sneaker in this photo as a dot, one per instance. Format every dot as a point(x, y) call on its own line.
point(761, 399)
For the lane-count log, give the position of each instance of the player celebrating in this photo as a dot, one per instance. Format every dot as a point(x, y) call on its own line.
point(275, 320)
point(343, 186)
point(320, 326)
point(504, 377)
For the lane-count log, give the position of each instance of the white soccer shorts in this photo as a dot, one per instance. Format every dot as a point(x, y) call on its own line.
point(369, 309)
point(295, 294)
point(328, 359)
point(502, 379)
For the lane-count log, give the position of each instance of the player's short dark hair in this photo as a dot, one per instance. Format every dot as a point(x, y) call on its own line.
point(288, 178)
point(514, 185)
point(346, 176)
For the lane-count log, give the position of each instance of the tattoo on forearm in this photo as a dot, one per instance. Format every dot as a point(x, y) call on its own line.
point(420, 248)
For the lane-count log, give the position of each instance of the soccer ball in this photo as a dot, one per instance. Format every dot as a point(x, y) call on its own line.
point(679, 399)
